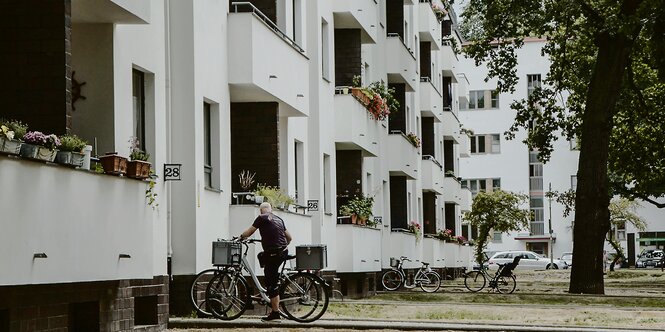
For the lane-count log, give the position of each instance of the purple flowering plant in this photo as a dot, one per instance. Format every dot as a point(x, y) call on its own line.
point(38, 138)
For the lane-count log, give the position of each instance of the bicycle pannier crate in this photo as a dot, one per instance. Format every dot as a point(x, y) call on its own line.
point(311, 257)
point(226, 253)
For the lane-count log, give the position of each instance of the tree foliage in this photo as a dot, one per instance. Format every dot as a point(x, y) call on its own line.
point(605, 87)
point(496, 211)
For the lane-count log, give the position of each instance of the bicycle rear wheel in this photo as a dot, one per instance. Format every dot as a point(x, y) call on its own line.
point(303, 297)
point(197, 291)
point(392, 279)
point(227, 295)
point(430, 282)
point(474, 281)
point(506, 285)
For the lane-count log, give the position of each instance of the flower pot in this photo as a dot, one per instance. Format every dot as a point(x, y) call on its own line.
point(137, 169)
point(354, 219)
point(114, 164)
point(37, 152)
point(360, 95)
point(70, 158)
point(10, 146)
point(362, 220)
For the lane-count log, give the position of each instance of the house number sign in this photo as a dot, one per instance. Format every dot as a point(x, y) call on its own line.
point(313, 205)
point(172, 172)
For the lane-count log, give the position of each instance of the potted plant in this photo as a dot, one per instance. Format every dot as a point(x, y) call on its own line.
point(113, 163)
point(275, 196)
point(71, 151)
point(11, 135)
point(359, 208)
point(414, 227)
point(40, 146)
point(414, 139)
point(445, 235)
point(138, 167)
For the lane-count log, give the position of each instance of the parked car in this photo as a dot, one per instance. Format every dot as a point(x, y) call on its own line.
point(567, 258)
point(650, 258)
point(530, 260)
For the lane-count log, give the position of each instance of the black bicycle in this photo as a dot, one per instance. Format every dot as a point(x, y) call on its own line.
point(503, 280)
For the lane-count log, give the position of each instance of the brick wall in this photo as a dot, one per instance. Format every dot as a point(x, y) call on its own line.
point(398, 213)
point(36, 59)
point(255, 142)
point(425, 59)
point(349, 175)
point(395, 17)
point(397, 121)
point(428, 136)
point(72, 307)
point(347, 56)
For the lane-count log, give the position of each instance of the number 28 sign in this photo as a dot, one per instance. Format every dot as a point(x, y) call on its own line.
point(172, 172)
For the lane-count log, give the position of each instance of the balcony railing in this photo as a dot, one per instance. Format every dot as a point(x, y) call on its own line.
point(428, 157)
point(237, 8)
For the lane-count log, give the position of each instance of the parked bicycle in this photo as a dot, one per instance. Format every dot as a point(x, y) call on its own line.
point(428, 280)
point(503, 280)
point(304, 296)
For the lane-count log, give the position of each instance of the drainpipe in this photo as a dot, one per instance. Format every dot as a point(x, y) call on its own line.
point(169, 147)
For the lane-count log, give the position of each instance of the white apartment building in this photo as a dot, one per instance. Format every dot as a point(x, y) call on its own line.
point(222, 87)
point(495, 162)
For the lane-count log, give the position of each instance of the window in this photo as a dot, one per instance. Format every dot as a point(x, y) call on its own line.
point(207, 143)
point(476, 99)
point(573, 182)
point(533, 82)
point(478, 144)
point(496, 143)
point(536, 202)
point(497, 237)
point(325, 50)
point(496, 184)
point(536, 170)
point(495, 99)
point(138, 98)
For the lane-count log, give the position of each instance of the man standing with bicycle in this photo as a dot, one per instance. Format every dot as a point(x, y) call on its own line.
point(274, 239)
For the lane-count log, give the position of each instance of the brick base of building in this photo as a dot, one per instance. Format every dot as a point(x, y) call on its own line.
point(119, 305)
point(357, 285)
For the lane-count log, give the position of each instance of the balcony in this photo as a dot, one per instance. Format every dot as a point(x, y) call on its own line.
point(467, 199)
point(431, 100)
point(299, 225)
point(455, 255)
point(61, 226)
point(111, 11)
point(433, 252)
point(359, 249)
point(451, 126)
point(265, 65)
point(403, 157)
point(354, 127)
point(357, 14)
point(452, 190)
point(449, 61)
point(429, 26)
point(432, 175)
point(401, 243)
point(462, 89)
point(400, 63)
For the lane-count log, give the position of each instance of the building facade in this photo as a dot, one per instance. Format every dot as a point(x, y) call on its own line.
point(223, 88)
point(515, 168)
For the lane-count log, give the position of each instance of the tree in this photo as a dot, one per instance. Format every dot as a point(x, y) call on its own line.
point(497, 211)
point(608, 58)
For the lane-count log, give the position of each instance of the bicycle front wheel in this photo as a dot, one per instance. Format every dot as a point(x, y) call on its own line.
point(197, 291)
point(392, 280)
point(430, 282)
point(303, 297)
point(474, 281)
point(506, 285)
point(227, 295)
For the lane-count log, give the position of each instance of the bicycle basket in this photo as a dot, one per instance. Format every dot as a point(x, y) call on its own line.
point(394, 262)
point(226, 253)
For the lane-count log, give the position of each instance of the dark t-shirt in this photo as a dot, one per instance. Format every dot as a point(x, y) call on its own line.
point(272, 231)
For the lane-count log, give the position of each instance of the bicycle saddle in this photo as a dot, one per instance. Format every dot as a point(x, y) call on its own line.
point(425, 264)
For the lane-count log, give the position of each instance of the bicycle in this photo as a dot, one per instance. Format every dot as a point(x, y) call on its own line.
point(304, 296)
point(428, 280)
point(503, 280)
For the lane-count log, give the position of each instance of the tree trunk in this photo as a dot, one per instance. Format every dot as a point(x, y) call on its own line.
point(592, 217)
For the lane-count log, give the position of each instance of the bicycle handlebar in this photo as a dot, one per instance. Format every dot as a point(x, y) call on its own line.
point(404, 258)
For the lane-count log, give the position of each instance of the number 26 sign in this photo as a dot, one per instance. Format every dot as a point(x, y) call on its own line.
point(172, 172)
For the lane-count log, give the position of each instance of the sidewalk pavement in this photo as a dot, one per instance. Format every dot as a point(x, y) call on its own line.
point(370, 324)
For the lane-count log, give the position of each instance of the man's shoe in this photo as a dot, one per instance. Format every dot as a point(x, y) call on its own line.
point(274, 316)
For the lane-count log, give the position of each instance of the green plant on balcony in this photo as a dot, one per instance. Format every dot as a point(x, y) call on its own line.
point(18, 128)
point(138, 167)
point(445, 235)
point(71, 151)
point(275, 196)
point(439, 11)
point(359, 208)
point(414, 139)
point(465, 131)
point(72, 143)
point(415, 228)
